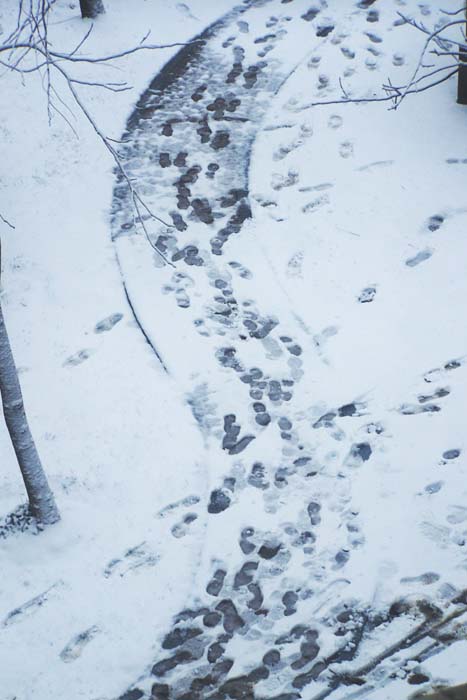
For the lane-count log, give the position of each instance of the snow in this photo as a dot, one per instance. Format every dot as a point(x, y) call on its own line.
point(371, 217)
point(108, 430)
point(346, 200)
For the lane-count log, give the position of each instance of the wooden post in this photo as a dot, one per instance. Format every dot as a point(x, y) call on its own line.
point(462, 74)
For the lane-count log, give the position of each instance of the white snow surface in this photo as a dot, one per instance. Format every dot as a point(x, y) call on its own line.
point(115, 437)
point(343, 198)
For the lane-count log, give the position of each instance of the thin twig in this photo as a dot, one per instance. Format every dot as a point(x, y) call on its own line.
point(455, 12)
point(5, 221)
point(30, 36)
point(387, 98)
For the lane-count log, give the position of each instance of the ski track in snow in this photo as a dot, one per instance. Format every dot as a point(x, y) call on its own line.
point(271, 615)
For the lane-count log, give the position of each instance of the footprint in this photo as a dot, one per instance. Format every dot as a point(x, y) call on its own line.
point(438, 394)
point(321, 338)
point(216, 583)
point(262, 327)
point(355, 536)
point(375, 164)
point(240, 269)
point(335, 121)
point(220, 140)
point(419, 257)
point(434, 487)
point(178, 221)
point(451, 454)
point(257, 477)
point(294, 348)
point(373, 37)
point(348, 53)
point(245, 544)
point(439, 534)
point(75, 646)
point(412, 409)
point(310, 14)
point(182, 299)
point(272, 348)
point(239, 446)
point(201, 327)
point(346, 149)
point(306, 130)
point(436, 374)
point(191, 500)
point(359, 453)
point(324, 30)
point(313, 63)
point(278, 181)
point(355, 409)
point(367, 295)
point(133, 558)
point(326, 420)
point(317, 188)
point(219, 501)
point(181, 529)
point(30, 607)
point(295, 264)
point(323, 81)
point(108, 323)
point(78, 358)
point(457, 514)
point(266, 37)
point(434, 222)
point(341, 558)
point(426, 579)
point(289, 600)
point(315, 204)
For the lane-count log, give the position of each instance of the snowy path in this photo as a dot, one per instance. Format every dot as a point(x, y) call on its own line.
point(285, 605)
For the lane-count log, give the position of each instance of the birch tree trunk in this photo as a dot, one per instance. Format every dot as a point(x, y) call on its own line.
point(41, 499)
point(91, 8)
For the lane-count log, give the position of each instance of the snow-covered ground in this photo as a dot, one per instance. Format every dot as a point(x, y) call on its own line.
point(315, 416)
point(114, 435)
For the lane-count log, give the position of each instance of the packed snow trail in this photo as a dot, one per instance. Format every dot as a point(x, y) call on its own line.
point(277, 610)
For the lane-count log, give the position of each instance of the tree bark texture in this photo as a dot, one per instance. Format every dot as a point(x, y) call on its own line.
point(41, 499)
point(462, 74)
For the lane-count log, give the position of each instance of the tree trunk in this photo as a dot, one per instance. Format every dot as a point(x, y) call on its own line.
point(462, 74)
point(41, 499)
point(91, 8)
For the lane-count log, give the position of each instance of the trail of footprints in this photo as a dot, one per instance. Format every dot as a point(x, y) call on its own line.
point(197, 121)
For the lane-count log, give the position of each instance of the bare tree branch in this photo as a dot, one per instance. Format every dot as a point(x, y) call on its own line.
point(422, 78)
point(30, 40)
point(455, 12)
point(5, 221)
point(396, 94)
